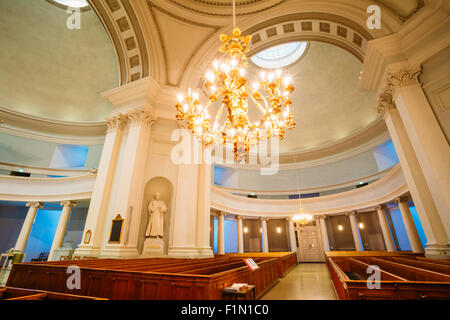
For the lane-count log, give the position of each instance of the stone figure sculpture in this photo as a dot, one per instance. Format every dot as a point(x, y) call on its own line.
point(156, 210)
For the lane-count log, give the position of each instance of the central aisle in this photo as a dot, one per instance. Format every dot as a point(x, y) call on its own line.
point(308, 281)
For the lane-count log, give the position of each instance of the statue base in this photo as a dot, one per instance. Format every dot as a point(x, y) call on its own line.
point(153, 247)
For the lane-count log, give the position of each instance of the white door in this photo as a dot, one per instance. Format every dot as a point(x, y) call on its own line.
point(310, 244)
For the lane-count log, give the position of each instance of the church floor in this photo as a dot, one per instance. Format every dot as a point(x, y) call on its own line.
point(307, 281)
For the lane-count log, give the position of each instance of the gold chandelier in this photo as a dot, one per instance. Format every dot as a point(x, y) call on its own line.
point(227, 86)
point(302, 219)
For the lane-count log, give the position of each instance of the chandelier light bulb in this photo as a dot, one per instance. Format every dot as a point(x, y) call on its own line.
point(242, 72)
point(278, 72)
point(270, 77)
point(287, 80)
point(209, 76)
point(180, 98)
point(255, 86)
point(262, 74)
point(216, 64)
point(233, 63)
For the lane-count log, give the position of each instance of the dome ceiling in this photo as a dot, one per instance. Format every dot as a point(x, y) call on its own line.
point(50, 71)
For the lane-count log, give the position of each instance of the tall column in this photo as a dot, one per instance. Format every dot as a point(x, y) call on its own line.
point(264, 235)
point(27, 225)
point(221, 233)
point(96, 217)
point(292, 241)
point(240, 235)
point(61, 228)
point(437, 238)
point(426, 136)
point(355, 231)
point(324, 232)
point(385, 228)
point(130, 183)
point(413, 235)
point(204, 206)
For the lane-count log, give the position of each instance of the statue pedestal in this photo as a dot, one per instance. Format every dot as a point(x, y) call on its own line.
point(153, 247)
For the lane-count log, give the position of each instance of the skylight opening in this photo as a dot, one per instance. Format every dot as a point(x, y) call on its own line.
point(73, 3)
point(279, 56)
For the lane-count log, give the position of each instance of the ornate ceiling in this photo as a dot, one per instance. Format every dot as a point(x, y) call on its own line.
point(171, 41)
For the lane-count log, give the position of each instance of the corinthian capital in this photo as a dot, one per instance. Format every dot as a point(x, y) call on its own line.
point(141, 117)
point(385, 102)
point(403, 78)
point(118, 122)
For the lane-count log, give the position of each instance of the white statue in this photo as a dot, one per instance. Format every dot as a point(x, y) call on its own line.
point(156, 210)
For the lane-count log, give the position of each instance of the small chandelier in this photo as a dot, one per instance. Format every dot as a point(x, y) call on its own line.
point(302, 219)
point(227, 86)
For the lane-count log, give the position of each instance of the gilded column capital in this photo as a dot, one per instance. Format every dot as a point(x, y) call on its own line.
point(117, 122)
point(380, 207)
point(239, 217)
point(321, 217)
point(140, 117)
point(352, 213)
point(69, 203)
point(221, 214)
point(35, 204)
point(385, 102)
point(401, 199)
point(403, 78)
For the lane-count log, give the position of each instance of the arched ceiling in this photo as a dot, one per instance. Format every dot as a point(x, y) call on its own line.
point(49, 71)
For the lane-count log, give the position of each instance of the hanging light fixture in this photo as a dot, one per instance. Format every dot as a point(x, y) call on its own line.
point(227, 86)
point(302, 219)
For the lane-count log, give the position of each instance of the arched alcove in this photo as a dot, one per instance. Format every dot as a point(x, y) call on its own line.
point(165, 188)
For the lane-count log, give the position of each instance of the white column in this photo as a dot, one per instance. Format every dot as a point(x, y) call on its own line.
point(437, 239)
point(413, 235)
point(426, 136)
point(221, 233)
point(264, 235)
point(204, 206)
point(324, 232)
point(27, 225)
point(385, 228)
point(130, 183)
point(96, 217)
point(292, 241)
point(61, 228)
point(355, 231)
point(190, 218)
point(240, 235)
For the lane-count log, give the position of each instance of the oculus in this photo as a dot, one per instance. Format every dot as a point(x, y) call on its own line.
point(280, 56)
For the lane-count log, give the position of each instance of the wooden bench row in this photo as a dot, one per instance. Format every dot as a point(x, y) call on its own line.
point(401, 277)
point(9, 293)
point(157, 278)
point(286, 260)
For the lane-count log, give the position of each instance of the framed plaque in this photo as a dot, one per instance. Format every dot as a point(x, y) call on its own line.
point(87, 237)
point(116, 230)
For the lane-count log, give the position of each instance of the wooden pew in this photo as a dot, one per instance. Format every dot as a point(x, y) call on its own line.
point(402, 277)
point(156, 278)
point(9, 293)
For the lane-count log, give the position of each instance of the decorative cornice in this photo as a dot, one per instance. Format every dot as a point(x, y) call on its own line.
point(118, 122)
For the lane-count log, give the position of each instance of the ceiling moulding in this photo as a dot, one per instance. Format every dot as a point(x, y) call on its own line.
point(421, 37)
point(362, 141)
point(343, 185)
point(33, 127)
point(384, 190)
point(224, 8)
point(402, 15)
point(121, 23)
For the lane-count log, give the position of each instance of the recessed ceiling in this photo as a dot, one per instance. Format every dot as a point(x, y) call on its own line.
point(50, 71)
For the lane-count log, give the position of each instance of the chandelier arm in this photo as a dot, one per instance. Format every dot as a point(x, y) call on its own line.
point(263, 111)
point(219, 113)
